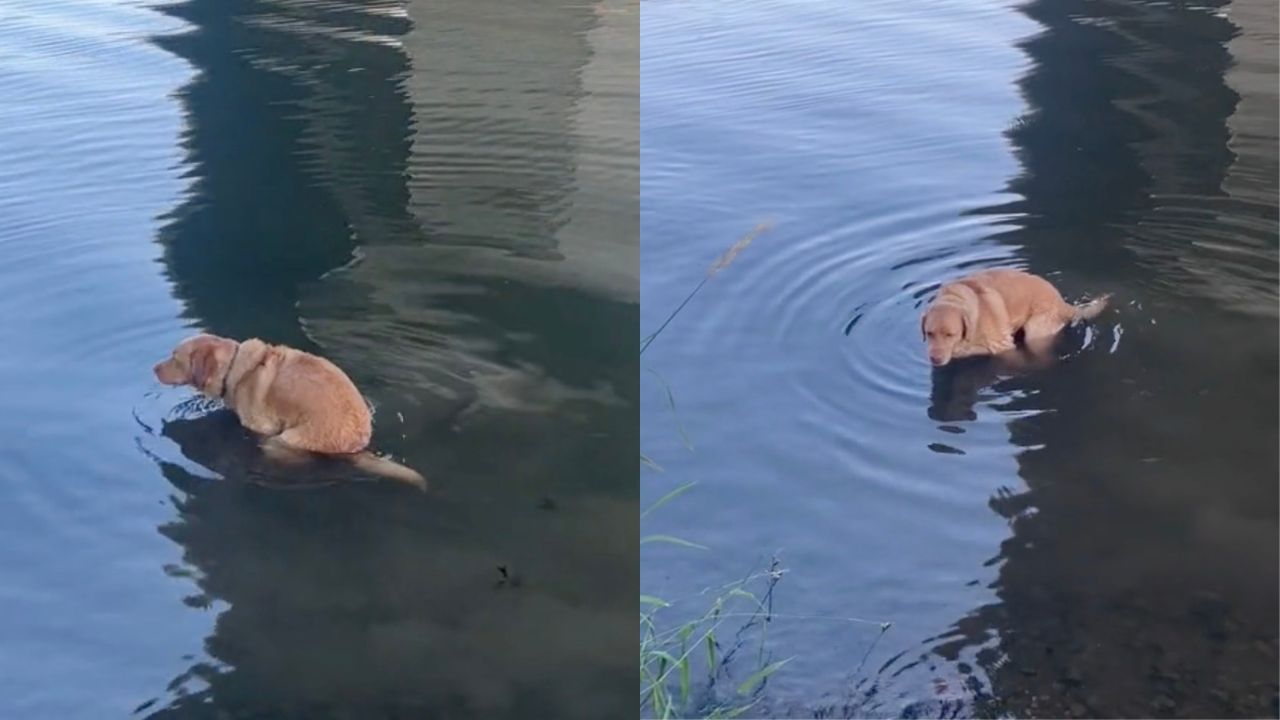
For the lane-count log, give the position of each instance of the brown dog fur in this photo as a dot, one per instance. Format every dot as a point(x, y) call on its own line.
point(982, 313)
point(295, 400)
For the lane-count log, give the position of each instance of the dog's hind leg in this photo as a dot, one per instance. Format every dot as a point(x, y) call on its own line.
point(281, 452)
point(1039, 327)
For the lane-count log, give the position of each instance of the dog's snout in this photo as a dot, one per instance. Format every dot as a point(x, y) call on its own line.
point(163, 372)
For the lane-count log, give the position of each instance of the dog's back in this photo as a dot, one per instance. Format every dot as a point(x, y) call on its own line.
point(322, 409)
point(1024, 295)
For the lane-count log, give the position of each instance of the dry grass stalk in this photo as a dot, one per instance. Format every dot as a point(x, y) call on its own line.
point(732, 252)
point(717, 266)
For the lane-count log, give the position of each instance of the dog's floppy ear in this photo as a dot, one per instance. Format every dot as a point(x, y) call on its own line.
point(969, 317)
point(969, 312)
point(203, 365)
point(923, 317)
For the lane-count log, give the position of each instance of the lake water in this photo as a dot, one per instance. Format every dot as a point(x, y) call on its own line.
point(439, 196)
point(1096, 538)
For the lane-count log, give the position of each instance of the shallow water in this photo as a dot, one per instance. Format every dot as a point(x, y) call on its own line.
point(442, 204)
point(1095, 538)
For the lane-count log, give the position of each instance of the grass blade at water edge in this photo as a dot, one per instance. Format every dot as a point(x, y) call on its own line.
point(668, 497)
point(749, 685)
point(672, 540)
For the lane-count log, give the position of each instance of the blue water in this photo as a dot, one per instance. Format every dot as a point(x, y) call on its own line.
point(1097, 538)
point(444, 206)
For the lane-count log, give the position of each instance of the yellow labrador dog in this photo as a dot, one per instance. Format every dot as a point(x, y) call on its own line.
point(296, 401)
point(982, 313)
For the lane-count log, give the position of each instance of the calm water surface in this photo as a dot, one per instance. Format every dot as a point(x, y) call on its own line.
point(1098, 538)
point(440, 197)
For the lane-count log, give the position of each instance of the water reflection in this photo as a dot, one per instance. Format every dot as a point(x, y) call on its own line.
point(512, 156)
point(358, 173)
point(957, 388)
point(1140, 578)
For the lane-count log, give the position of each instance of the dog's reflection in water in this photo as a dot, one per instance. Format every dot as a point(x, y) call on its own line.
point(961, 384)
point(218, 442)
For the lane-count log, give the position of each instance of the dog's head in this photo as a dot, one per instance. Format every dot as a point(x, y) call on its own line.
point(948, 322)
point(199, 361)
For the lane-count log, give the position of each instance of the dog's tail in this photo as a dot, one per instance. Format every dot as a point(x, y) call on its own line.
point(371, 463)
point(1091, 309)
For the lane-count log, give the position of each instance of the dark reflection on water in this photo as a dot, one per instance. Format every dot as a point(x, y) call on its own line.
point(957, 388)
point(1088, 534)
point(271, 115)
point(441, 197)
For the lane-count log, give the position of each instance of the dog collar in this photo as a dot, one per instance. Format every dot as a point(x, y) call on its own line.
point(230, 366)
